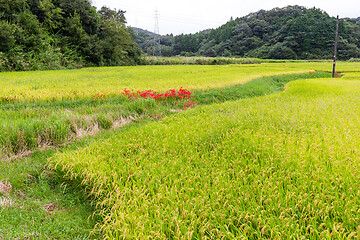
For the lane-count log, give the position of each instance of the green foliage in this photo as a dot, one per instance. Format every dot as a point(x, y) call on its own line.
point(7, 39)
point(198, 60)
point(354, 60)
point(292, 32)
point(52, 34)
point(281, 51)
point(117, 40)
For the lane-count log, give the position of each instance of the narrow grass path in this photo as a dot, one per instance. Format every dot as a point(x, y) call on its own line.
point(37, 203)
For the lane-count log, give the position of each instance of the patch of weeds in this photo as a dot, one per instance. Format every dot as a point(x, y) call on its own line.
point(37, 203)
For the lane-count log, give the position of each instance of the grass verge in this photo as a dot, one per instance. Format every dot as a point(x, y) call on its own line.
point(37, 203)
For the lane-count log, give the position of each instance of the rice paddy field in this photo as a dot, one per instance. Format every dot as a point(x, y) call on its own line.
point(261, 151)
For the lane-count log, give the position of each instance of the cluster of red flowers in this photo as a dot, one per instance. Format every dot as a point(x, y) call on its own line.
point(190, 104)
point(172, 93)
point(314, 71)
point(96, 96)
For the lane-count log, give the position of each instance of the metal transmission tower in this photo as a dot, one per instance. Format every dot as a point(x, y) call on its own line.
point(157, 36)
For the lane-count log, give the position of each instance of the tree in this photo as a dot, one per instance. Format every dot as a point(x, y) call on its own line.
point(118, 40)
point(48, 34)
point(294, 31)
point(89, 18)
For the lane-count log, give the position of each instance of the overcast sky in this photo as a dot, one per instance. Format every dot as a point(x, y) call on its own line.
point(191, 16)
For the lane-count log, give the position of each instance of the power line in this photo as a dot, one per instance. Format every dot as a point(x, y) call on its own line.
point(179, 18)
point(144, 11)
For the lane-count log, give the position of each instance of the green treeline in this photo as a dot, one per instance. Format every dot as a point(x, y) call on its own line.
point(292, 32)
point(53, 34)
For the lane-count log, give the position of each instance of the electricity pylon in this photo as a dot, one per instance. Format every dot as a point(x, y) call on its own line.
point(157, 36)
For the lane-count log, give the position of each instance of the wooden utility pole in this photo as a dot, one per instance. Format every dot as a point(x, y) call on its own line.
point(335, 48)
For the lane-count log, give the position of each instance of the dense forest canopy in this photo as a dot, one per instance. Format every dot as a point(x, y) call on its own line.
point(50, 34)
point(292, 32)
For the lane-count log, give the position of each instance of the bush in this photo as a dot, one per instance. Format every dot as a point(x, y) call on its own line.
point(197, 60)
point(354, 60)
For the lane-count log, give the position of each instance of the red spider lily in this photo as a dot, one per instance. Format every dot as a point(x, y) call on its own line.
point(172, 93)
point(191, 104)
point(99, 96)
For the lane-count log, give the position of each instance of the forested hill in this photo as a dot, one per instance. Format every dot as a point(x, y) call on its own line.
point(293, 32)
point(50, 34)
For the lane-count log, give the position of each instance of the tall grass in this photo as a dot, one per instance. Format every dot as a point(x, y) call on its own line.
point(26, 127)
point(282, 166)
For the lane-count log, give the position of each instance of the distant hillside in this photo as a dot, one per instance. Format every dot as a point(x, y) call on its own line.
point(145, 39)
point(356, 19)
point(292, 32)
point(353, 19)
point(139, 31)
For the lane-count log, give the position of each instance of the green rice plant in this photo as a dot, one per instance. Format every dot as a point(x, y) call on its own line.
point(255, 88)
point(80, 84)
point(283, 166)
point(219, 171)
